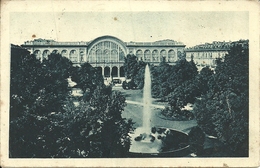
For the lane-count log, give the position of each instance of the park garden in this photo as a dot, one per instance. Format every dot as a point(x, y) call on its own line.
point(46, 123)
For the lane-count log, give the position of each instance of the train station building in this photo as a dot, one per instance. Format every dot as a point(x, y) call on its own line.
point(107, 53)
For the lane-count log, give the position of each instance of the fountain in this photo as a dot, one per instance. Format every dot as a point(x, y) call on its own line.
point(147, 99)
point(148, 141)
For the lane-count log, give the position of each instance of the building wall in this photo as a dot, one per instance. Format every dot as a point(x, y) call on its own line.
point(206, 54)
point(205, 58)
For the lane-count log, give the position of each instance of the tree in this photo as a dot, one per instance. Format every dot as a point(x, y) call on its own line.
point(37, 89)
point(87, 77)
point(204, 114)
point(223, 110)
point(202, 80)
point(25, 81)
point(96, 128)
point(181, 72)
point(179, 87)
point(130, 66)
point(45, 122)
point(160, 74)
point(55, 72)
point(138, 79)
point(134, 70)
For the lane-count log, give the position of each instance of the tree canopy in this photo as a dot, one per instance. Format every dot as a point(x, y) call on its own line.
point(223, 110)
point(220, 97)
point(87, 77)
point(45, 122)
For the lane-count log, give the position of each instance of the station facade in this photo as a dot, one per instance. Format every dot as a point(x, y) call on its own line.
point(107, 53)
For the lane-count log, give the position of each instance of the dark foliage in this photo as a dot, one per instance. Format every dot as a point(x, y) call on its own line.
point(223, 110)
point(87, 77)
point(45, 122)
point(196, 139)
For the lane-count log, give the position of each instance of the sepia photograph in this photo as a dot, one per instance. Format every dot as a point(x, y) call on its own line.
point(130, 84)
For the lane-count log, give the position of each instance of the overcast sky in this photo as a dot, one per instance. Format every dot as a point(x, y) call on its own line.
point(191, 28)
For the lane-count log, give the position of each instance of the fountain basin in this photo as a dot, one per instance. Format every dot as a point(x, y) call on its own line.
point(174, 144)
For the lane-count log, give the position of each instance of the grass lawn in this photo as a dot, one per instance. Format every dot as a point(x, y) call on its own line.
point(135, 112)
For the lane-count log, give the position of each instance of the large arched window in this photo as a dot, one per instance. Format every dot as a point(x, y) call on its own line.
point(147, 56)
point(155, 56)
point(171, 56)
point(111, 52)
point(139, 54)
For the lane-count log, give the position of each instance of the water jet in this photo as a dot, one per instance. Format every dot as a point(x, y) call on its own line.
point(148, 141)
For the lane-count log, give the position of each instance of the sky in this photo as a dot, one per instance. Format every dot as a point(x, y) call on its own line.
point(190, 28)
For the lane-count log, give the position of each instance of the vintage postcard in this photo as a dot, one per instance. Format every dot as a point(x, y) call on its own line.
point(129, 83)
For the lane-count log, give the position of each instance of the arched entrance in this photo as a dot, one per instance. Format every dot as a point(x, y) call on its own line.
point(139, 54)
point(64, 53)
point(55, 51)
point(162, 55)
point(37, 53)
point(114, 72)
point(107, 72)
point(122, 71)
point(73, 56)
point(45, 54)
point(147, 56)
point(155, 56)
point(171, 55)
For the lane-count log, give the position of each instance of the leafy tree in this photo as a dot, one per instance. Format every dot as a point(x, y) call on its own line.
point(87, 77)
point(54, 84)
point(130, 66)
point(37, 89)
point(45, 122)
point(204, 114)
point(202, 80)
point(117, 145)
point(181, 72)
point(160, 74)
point(134, 70)
point(138, 79)
point(96, 128)
point(24, 81)
point(223, 110)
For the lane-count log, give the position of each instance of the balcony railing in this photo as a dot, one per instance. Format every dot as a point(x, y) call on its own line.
point(153, 43)
point(43, 43)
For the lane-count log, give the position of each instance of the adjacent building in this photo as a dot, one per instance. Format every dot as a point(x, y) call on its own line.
point(206, 54)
